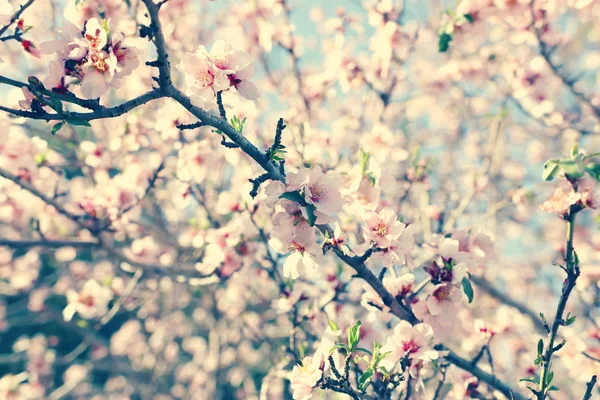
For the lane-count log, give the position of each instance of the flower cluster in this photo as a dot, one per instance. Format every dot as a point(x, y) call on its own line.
point(414, 343)
point(95, 58)
point(207, 73)
point(310, 197)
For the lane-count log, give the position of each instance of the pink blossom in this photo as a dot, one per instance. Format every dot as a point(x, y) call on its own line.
point(67, 45)
point(304, 378)
point(127, 56)
point(560, 202)
point(321, 190)
point(240, 81)
point(202, 78)
point(95, 34)
point(226, 58)
point(382, 228)
point(303, 251)
point(29, 97)
point(414, 342)
point(98, 65)
point(91, 302)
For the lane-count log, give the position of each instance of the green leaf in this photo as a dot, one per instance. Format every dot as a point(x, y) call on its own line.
point(363, 350)
point(340, 346)
point(354, 336)
point(78, 122)
point(532, 380)
point(334, 327)
point(550, 170)
point(553, 389)
point(574, 151)
point(385, 372)
point(294, 196)
point(365, 379)
point(573, 169)
point(540, 347)
point(310, 210)
point(594, 171)
point(57, 127)
point(364, 159)
point(444, 42)
point(469, 18)
point(549, 377)
point(467, 288)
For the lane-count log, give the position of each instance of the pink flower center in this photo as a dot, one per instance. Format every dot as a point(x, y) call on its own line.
point(205, 78)
point(95, 39)
point(221, 62)
point(234, 80)
point(381, 229)
point(120, 52)
point(99, 61)
point(442, 293)
point(410, 346)
point(317, 192)
point(86, 300)
point(294, 246)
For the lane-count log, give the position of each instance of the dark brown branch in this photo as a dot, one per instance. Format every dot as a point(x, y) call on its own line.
point(545, 52)
point(68, 97)
point(26, 244)
point(589, 387)
point(16, 16)
point(162, 63)
point(169, 270)
point(101, 113)
point(509, 301)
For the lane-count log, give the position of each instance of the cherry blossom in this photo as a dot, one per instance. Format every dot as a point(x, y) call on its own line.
point(383, 228)
point(89, 58)
point(203, 79)
point(320, 191)
point(91, 302)
point(305, 377)
point(303, 251)
point(412, 342)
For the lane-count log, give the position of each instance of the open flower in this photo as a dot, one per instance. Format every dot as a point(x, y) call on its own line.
point(412, 342)
point(321, 190)
point(240, 80)
point(127, 56)
point(91, 302)
point(305, 377)
point(89, 59)
point(383, 227)
point(560, 202)
point(98, 74)
point(95, 34)
point(202, 78)
point(226, 58)
point(303, 251)
point(68, 43)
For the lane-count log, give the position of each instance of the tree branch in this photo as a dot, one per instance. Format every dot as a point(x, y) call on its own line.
point(16, 16)
point(101, 113)
point(505, 299)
